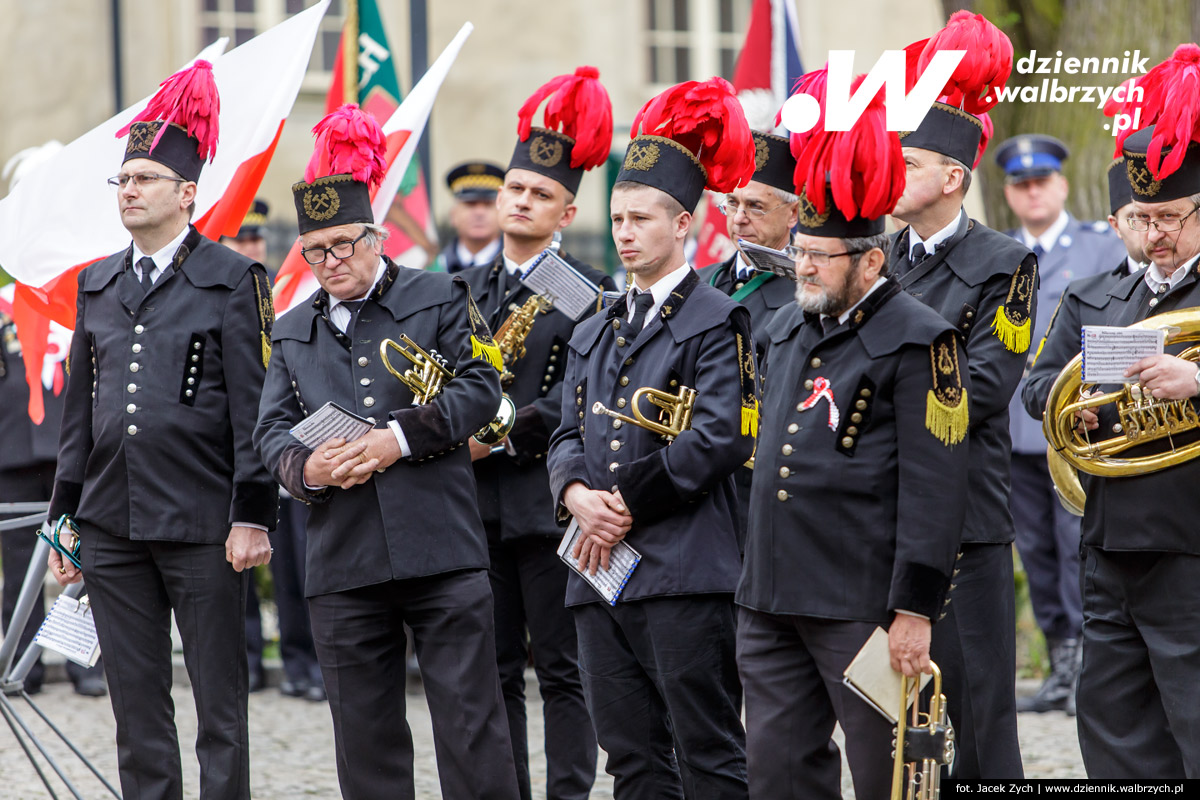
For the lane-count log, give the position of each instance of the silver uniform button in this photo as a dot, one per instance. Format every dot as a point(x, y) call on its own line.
point(131, 430)
point(365, 381)
point(617, 424)
point(793, 428)
point(371, 420)
point(137, 348)
point(1153, 302)
point(191, 381)
point(368, 401)
point(613, 466)
point(195, 345)
point(362, 361)
point(614, 445)
point(782, 495)
point(131, 408)
point(189, 393)
point(784, 472)
point(195, 357)
point(131, 388)
point(139, 328)
point(192, 370)
point(134, 367)
point(787, 449)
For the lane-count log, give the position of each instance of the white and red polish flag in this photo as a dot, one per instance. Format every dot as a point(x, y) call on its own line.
point(295, 282)
point(767, 69)
point(62, 216)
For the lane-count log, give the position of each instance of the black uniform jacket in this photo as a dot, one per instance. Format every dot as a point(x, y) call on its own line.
point(771, 295)
point(1158, 510)
point(163, 396)
point(1083, 303)
point(977, 276)
point(856, 512)
point(23, 444)
point(681, 495)
point(418, 517)
point(514, 491)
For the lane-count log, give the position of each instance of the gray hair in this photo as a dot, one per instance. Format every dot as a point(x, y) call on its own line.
point(785, 197)
point(954, 162)
point(863, 244)
point(375, 234)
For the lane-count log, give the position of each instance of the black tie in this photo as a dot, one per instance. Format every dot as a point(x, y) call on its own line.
point(918, 254)
point(146, 265)
point(641, 304)
point(353, 307)
point(1038, 250)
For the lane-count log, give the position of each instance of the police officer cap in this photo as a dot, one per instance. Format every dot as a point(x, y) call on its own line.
point(255, 221)
point(475, 180)
point(1030, 155)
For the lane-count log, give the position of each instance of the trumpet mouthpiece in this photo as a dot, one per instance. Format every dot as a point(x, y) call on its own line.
point(598, 408)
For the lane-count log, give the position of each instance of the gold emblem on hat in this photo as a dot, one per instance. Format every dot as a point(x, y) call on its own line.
point(545, 152)
point(641, 156)
point(321, 206)
point(807, 214)
point(141, 136)
point(761, 154)
point(1140, 178)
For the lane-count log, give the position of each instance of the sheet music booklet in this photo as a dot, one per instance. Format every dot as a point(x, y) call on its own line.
point(766, 259)
point(70, 630)
point(871, 677)
point(622, 561)
point(552, 277)
point(1108, 351)
point(330, 421)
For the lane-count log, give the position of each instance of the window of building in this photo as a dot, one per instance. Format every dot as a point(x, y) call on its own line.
point(693, 39)
point(242, 20)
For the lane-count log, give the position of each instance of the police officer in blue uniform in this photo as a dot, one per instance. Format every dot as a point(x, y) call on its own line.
point(658, 668)
point(157, 467)
point(761, 212)
point(985, 284)
point(1047, 535)
point(528, 581)
point(477, 237)
point(859, 494)
point(394, 536)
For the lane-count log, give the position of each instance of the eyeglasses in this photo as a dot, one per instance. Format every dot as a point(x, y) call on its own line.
point(818, 258)
point(142, 179)
point(339, 250)
point(731, 208)
point(1163, 224)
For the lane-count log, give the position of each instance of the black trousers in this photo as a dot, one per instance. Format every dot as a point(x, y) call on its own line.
point(30, 484)
point(134, 586)
point(1138, 715)
point(975, 647)
point(290, 538)
point(529, 583)
point(660, 677)
point(1048, 541)
point(359, 634)
point(791, 669)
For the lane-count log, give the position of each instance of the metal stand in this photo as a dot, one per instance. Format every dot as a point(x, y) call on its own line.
point(12, 675)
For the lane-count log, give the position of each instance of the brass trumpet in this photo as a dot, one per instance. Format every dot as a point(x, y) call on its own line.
point(430, 373)
point(674, 416)
point(1141, 419)
point(924, 747)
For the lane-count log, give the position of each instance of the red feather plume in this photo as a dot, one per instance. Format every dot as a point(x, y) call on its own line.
point(707, 119)
point(988, 130)
point(814, 84)
point(983, 70)
point(189, 99)
point(1171, 104)
point(349, 140)
point(580, 108)
point(864, 166)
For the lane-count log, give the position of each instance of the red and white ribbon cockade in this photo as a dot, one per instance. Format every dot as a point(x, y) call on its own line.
point(822, 389)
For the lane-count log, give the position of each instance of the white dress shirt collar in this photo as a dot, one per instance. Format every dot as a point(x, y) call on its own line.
point(162, 259)
point(933, 241)
point(1160, 283)
point(845, 315)
point(660, 290)
point(339, 315)
point(1049, 237)
point(485, 256)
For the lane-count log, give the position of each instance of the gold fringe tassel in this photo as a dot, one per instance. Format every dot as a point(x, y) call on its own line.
point(948, 424)
point(266, 348)
point(750, 420)
point(1038, 354)
point(1015, 337)
point(488, 352)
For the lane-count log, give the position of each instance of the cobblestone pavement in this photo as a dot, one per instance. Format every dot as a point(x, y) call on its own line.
point(291, 744)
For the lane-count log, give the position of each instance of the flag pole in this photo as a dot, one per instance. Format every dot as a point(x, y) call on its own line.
point(350, 54)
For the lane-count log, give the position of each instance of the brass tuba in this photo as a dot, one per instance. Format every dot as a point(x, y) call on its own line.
point(1141, 419)
point(510, 338)
point(674, 416)
point(923, 747)
point(430, 373)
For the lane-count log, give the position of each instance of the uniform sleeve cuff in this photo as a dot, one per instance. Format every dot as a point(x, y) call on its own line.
point(291, 475)
point(257, 503)
point(424, 430)
point(65, 499)
point(919, 589)
point(405, 450)
point(529, 437)
point(647, 489)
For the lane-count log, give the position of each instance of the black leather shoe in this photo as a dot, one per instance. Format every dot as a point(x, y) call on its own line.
point(91, 686)
point(294, 689)
point(315, 694)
